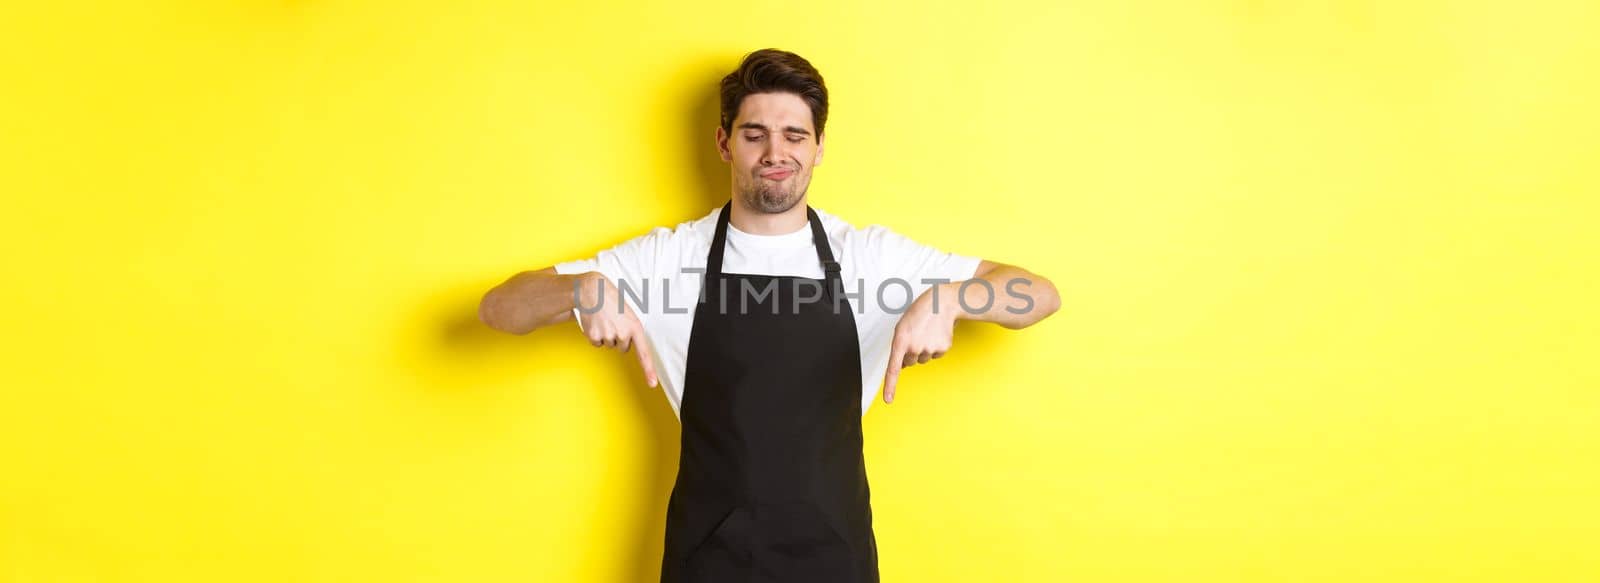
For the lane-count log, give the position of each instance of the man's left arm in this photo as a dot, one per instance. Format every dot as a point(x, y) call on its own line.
point(1007, 295)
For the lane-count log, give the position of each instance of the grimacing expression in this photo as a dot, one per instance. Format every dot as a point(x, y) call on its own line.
point(771, 151)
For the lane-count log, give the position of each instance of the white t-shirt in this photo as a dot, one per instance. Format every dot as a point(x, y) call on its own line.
point(663, 270)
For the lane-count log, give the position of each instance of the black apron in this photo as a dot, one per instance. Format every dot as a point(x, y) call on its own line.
point(772, 485)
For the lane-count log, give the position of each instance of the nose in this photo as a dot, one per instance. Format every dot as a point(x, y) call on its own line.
point(772, 152)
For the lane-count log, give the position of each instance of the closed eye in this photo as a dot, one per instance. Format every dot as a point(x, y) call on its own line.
point(792, 139)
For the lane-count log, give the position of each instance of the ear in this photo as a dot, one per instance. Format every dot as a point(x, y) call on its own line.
point(722, 145)
point(817, 159)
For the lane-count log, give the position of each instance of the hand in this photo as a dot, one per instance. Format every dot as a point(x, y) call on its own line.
point(612, 328)
point(923, 333)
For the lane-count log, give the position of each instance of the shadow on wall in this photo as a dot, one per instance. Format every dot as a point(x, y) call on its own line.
point(467, 344)
point(463, 350)
point(700, 113)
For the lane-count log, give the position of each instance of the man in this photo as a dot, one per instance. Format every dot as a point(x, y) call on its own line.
point(769, 325)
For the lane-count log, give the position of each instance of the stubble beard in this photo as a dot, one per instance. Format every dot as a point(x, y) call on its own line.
point(768, 197)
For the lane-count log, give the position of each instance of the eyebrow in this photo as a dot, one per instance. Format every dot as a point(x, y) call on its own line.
point(790, 129)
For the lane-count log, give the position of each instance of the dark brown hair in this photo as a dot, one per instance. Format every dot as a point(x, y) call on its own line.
point(774, 71)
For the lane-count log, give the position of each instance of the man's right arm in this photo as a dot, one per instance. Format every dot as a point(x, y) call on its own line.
point(535, 299)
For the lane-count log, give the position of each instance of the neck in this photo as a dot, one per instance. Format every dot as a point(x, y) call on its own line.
point(759, 223)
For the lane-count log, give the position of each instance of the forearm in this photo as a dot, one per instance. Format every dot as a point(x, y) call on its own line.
point(1007, 295)
point(533, 299)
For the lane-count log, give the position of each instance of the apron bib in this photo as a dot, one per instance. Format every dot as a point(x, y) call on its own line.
point(772, 485)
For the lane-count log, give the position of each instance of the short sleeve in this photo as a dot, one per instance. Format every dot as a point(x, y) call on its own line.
point(896, 255)
point(630, 263)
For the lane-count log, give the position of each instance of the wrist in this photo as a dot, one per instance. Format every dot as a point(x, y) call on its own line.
point(947, 300)
point(590, 287)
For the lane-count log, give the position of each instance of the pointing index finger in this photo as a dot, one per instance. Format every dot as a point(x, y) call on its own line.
point(892, 376)
point(645, 359)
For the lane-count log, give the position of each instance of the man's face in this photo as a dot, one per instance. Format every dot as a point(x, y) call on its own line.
point(771, 151)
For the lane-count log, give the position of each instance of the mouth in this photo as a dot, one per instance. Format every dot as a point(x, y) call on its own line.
point(777, 174)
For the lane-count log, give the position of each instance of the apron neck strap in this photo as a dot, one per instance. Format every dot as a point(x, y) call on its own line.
point(819, 239)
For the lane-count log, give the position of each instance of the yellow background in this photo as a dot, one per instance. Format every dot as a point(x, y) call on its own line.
point(1328, 271)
